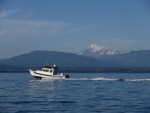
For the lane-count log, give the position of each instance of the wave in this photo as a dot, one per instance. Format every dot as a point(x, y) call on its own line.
point(134, 80)
point(102, 79)
point(122, 79)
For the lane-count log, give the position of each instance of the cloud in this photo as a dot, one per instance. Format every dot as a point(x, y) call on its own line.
point(29, 14)
point(5, 13)
point(17, 31)
point(13, 30)
point(26, 16)
point(79, 29)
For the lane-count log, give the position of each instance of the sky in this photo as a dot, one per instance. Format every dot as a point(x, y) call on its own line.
point(72, 25)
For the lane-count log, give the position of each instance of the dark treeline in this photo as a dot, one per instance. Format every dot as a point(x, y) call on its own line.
point(108, 69)
point(89, 69)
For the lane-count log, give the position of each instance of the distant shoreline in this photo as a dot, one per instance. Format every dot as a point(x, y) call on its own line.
point(91, 70)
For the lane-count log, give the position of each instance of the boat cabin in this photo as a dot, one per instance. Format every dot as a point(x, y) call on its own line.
point(49, 70)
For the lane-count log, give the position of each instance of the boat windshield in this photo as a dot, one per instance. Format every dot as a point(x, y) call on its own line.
point(45, 70)
point(46, 66)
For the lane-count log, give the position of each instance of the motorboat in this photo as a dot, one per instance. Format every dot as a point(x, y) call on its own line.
point(48, 72)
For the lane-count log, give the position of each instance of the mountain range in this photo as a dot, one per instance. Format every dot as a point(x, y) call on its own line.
point(62, 59)
point(119, 58)
point(97, 51)
point(93, 56)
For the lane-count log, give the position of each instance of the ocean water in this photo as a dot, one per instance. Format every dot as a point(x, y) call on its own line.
point(82, 93)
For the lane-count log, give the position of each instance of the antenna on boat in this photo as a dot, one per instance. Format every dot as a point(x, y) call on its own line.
point(46, 61)
point(54, 63)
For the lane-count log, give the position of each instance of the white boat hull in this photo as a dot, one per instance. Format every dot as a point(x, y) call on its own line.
point(40, 75)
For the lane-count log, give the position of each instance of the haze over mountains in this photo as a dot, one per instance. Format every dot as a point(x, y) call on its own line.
point(93, 56)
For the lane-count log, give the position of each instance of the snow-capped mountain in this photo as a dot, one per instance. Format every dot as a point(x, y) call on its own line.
point(96, 51)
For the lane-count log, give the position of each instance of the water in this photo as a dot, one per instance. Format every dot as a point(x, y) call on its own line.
point(83, 93)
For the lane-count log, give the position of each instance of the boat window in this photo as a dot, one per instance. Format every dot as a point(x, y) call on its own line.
point(45, 70)
point(50, 71)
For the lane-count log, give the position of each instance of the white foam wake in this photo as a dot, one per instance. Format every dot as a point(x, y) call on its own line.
point(137, 80)
point(122, 79)
point(100, 79)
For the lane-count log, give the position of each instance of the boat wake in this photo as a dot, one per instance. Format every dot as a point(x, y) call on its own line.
point(101, 79)
point(122, 79)
point(112, 79)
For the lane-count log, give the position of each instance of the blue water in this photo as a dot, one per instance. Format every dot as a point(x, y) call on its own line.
point(83, 93)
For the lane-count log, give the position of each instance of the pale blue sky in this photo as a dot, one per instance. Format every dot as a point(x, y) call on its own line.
point(72, 25)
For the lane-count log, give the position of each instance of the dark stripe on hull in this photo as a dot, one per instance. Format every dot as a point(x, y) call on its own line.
point(37, 77)
point(41, 74)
